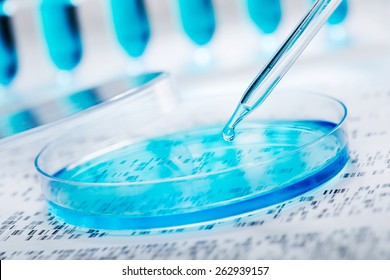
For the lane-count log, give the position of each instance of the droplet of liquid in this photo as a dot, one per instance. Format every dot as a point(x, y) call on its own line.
point(228, 134)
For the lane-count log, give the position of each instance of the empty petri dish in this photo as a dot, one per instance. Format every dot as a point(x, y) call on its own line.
point(27, 113)
point(176, 170)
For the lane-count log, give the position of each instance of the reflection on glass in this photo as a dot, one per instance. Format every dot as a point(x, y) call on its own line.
point(16, 122)
point(79, 101)
point(198, 20)
point(19, 114)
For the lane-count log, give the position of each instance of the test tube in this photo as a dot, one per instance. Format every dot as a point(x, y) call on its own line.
point(62, 33)
point(198, 20)
point(131, 25)
point(8, 56)
point(340, 14)
point(266, 14)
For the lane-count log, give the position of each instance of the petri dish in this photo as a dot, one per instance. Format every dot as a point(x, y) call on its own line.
point(27, 113)
point(176, 170)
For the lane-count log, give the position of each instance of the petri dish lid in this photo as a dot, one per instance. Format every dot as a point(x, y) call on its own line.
point(26, 113)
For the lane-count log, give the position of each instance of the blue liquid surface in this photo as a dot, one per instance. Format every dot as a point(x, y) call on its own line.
point(266, 14)
point(8, 56)
point(62, 33)
point(198, 20)
point(196, 176)
point(131, 25)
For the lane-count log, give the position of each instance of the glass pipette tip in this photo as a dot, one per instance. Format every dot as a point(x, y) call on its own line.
point(280, 63)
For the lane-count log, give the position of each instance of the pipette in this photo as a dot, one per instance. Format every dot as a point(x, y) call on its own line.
point(267, 79)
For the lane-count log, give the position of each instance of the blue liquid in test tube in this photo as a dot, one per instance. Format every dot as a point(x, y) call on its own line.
point(8, 58)
point(198, 20)
point(340, 14)
point(62, 33)
point(266, 14)
point(131, 25)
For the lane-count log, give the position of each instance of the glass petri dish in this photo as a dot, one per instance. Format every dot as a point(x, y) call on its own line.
point(27, 113)
point(176, 170)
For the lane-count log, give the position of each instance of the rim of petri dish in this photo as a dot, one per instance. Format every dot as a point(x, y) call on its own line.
point(198, 210)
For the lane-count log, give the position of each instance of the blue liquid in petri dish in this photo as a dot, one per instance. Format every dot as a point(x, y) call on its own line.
point(266, 14)
point(198, 20)
point(193, 177)
point(8, 55)
point(61, 32)
point(131, 25)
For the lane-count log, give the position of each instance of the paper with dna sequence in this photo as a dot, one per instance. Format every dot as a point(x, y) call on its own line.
point(345, 219)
